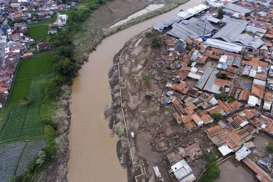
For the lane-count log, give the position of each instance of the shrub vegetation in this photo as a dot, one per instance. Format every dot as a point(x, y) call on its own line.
point(213, 171)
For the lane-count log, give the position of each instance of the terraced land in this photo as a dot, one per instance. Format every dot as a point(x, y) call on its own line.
point(27, 108)
point(16, 157)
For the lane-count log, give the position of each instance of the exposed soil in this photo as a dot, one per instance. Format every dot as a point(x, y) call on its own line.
point(232, 170)
point(95, 27)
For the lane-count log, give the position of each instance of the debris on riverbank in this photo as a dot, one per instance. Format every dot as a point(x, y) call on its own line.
point(148, 9)
point(57, 170)
point(168, 5)
point(137, 80)
point(183, 96)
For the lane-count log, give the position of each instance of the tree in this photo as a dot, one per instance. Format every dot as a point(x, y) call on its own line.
point(220, 13)
point(66, 51)
point(221, 75)
point(213, 170)
point(156, 43)
point(221, 96)
point(269, 147)
point(230, 99)
point(50, 149)
point(148, 34)
point(212, 173)
point(120, 131)
point(67, 67)
point(101, 1)
point(52, 89)
point(217, 116)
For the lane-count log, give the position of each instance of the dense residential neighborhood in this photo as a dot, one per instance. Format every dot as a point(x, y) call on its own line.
point(223, 52)
point(15, 43)
point(192, 90)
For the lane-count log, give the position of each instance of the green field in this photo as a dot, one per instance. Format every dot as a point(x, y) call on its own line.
point(22, 118)
point(39, 31)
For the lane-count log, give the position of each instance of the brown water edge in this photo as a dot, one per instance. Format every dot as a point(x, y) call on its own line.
point(92, 147)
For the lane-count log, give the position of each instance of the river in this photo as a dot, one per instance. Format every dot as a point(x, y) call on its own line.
point(92, 147)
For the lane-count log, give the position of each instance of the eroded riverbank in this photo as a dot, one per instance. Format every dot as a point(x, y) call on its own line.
point(93, 150)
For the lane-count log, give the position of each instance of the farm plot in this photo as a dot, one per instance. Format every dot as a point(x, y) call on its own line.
point(22, 118)
point(16, 157)
point(29, 153)
point(9, 157)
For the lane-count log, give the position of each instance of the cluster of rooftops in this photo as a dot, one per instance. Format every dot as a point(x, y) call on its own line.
point(225, 76)
point(15, 44)
point(243, 25)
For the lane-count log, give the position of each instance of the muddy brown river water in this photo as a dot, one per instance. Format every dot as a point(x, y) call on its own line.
point(92, 147)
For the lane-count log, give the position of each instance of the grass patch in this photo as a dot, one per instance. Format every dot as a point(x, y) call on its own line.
point(39, 31)
point(23, 116)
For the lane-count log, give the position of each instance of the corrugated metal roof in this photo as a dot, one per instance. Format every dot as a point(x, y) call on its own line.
point(210, 85)
point(252, 100)
point(181, 169)
point(250, 41)
point(259, 82)
point(224, 45)
point(219, 3)
point(225, 150)
point(202, 82)
point(192, 11)
point(237, 61)
point(242, 153)
point(231, 30)
point(244, 39)
point(236, 8)
point(256, 43)
point(255, 30)
point(193, 28)
point(163, 24)
point(212, 19)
